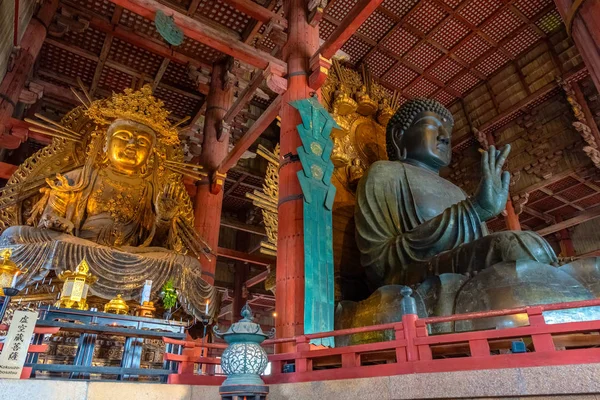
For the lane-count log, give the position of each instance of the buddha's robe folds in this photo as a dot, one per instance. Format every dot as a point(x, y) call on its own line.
point(411, 224)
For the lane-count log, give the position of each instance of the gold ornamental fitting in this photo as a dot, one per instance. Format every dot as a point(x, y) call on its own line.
point(9, 270)
point(385, 114)
point(76, 287)
point(147, 309)
point(117, 306)
point(344, 104)
point(82, 271)
point(366, 105)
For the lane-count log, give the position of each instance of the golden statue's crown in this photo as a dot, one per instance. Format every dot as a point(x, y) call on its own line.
point(139, 106)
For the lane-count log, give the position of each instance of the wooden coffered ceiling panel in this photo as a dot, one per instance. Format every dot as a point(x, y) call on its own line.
point(442, 48)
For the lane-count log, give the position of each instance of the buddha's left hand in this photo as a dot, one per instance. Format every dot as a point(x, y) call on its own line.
point(492, 193)
point(167, 203)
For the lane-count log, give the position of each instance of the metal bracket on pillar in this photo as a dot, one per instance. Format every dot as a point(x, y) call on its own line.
point(319, 67)
point(217, 180)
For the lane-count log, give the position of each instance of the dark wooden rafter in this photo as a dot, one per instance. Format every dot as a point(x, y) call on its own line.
point(119, 67)
point(241, 256)
point(161, 71)
point(208, 35)
point(253, 27)
point(127, 35)
point(346, 28)
point(256, 11)
point(245, 96)
point(255, 280)
point(581, 217)
point(259, 126)
point(506, 115)
point(108, 39)
point(447, 53)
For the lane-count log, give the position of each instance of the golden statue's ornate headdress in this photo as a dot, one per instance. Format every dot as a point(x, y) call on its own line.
point(139, 106)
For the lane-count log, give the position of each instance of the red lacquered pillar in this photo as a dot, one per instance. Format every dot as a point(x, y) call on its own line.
point(585, 31)
point(303, 42)
point(33, 39)
point(207, 206)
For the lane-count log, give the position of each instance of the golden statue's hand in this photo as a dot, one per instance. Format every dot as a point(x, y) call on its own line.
point(56, 223)
point(167, 203)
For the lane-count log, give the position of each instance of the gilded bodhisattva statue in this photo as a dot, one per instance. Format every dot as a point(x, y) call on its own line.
point(124, 208)
point(415, 228)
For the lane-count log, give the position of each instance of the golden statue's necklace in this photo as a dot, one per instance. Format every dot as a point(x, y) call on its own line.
point(122, 200)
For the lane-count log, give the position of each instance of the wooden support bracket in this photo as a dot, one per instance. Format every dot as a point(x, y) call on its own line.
point(319, 66)
point(217, 180)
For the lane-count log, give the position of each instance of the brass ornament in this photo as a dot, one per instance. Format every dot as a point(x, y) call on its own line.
point(76, 287)
point(362, 109)
point(117, 306)
point(267, 199)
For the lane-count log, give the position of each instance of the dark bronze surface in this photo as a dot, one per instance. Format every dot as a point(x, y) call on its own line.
point(414, 227)
point(515, 284)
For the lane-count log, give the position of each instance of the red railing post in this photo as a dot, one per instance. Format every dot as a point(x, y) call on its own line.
point(542, 342)
point(479, 348)
point(424, 350)
point(303, 364)
point(401, 347)
point(410, 333)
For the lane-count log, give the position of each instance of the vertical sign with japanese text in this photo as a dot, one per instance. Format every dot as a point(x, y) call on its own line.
point(16, 344)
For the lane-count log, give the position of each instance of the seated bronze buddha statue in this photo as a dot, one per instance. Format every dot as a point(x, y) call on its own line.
point(417, 229)
point(125, 209)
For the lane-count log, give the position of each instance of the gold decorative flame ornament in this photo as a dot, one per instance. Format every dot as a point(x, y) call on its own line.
point(76, 287)
point(117, 306)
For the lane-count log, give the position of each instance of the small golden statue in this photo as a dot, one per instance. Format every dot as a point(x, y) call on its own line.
point(355, 172)
point(338, 155)
point(109, 188)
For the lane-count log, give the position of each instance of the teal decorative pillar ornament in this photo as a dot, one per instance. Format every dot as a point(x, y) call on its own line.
point(319, 193)
point(244, 360)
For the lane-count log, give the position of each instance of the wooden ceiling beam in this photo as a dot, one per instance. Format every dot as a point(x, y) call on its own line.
point(251, 135)
point(254, 26)
point(584, 216)
point(239, 226)
point(535, 96)
point(245, 257)
point(257, 12)
point(208, 35)
point(255, 280)
point(245, 96)
point(351, 22)
point(161, 71)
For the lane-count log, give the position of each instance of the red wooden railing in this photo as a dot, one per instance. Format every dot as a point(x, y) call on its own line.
point(33, 348)
point(412, 350)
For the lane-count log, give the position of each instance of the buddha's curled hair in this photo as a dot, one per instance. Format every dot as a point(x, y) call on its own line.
point(405, 116)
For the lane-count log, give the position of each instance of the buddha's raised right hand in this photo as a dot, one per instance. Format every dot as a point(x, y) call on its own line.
point(491, 195)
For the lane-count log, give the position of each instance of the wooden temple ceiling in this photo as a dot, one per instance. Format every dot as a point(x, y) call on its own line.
point(494, 63)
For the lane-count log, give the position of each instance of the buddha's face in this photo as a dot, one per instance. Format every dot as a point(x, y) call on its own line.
point(427, 141)
point(129, 146)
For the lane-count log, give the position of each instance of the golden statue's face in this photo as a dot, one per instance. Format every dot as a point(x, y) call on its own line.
point(129, 146)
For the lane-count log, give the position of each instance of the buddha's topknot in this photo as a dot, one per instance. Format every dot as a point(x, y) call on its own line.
point(405, 116)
